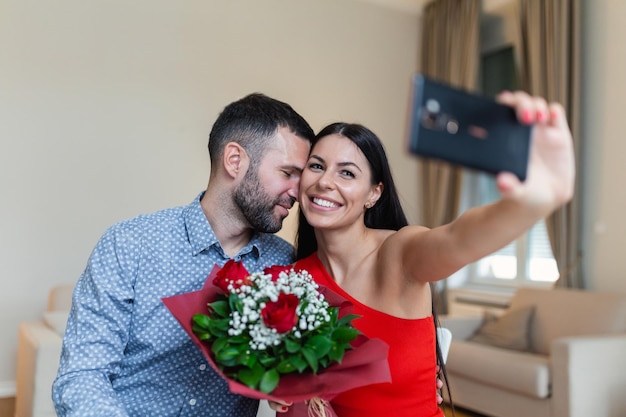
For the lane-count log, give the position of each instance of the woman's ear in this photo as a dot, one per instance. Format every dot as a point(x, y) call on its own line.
point(376, 192)
point(235, 159)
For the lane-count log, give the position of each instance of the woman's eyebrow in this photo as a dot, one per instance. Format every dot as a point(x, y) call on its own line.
point(351, 164)
point(341, 164)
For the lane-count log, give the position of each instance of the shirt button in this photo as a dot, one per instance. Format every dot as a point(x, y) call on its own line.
point(202, 367)
point(192, 402)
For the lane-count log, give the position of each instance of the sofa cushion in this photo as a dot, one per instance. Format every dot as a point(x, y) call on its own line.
point(523, 373)
point(56, 320)
point(508, 331)
point(564, 312)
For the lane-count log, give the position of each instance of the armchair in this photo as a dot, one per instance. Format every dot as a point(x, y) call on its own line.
point(571, 364)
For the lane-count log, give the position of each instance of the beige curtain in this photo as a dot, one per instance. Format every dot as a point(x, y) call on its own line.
point(549, 59)
point(449, 53)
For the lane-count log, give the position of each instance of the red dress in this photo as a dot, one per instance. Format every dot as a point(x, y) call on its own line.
point(412, 360)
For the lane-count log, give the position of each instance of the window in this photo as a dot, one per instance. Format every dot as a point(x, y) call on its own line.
point(529, 258)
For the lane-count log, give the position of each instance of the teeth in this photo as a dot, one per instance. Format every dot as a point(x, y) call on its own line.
point(324, 203)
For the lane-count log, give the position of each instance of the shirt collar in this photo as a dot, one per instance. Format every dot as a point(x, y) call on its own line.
point(201, 235)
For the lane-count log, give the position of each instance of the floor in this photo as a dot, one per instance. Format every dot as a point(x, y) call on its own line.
point(458, 413)
point(7, 407)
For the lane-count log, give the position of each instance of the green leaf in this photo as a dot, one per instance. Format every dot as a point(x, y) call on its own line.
point(218, 345)
point(220, 307)
point(251, 377)
point(235, 303)
point(344, 334)
point(218, 328)
point(246, 359)
point(336, 353)
point(347, 319)
point(285, 367)
point(242, 339)
point(269, 381)
point(268, 360)
point(222, 324)
point(200, 328)
point(298, 363)
point(200, 321)
point(292, 346)
point(311, 358)
point(227, 355)
point(319, 344)
point(202, 335)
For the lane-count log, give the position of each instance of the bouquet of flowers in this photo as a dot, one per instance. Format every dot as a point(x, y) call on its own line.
point(277, 335)
point(272, 323)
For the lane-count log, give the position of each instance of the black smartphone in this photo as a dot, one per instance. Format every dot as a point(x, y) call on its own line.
point(467, 129)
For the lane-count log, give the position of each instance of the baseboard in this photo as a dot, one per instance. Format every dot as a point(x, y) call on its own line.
point(7, 389)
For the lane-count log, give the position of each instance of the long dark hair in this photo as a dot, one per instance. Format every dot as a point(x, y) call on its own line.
point(387, 213)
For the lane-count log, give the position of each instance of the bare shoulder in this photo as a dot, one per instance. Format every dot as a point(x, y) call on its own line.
point(395, 242)
point(398, 239)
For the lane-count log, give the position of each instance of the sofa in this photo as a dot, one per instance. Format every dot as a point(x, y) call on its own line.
point(39, 349)
point(557, 352)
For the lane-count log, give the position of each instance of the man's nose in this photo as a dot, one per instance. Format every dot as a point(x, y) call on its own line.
point(294, 190)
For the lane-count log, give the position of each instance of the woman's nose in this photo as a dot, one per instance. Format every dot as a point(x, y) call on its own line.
point(325, 181)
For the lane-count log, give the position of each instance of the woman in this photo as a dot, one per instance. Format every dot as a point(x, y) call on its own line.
point(353, 237)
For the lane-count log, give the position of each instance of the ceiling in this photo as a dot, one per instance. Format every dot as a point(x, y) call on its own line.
point(415, 6)
point(411, 6)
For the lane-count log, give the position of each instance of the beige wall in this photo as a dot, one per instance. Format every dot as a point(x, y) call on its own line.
point(106, 106)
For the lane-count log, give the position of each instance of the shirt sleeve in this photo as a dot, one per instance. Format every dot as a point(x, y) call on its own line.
point(98, 329)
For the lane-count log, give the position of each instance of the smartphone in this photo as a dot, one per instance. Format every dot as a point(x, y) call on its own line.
point(466, 129)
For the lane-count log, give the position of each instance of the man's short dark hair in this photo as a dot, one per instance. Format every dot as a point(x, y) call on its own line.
point(251, 121)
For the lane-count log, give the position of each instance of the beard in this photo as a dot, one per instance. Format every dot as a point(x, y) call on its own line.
point(257, 206)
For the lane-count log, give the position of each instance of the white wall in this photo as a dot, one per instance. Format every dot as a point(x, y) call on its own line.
point(106, 106)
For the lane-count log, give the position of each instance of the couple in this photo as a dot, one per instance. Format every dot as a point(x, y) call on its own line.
point(125, 355)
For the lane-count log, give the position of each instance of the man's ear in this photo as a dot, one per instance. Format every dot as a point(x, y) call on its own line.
point(235, 160)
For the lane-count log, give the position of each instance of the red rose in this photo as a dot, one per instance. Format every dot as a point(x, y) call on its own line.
point(281, 314)
point(232, 272)
point(275, 270)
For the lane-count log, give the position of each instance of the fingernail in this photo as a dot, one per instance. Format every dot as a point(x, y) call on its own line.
point(527, 116)
point(283, 408)
point(554, 114)
point(541, 116)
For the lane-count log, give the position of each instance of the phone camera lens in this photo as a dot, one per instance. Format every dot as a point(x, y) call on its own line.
point(452, 127)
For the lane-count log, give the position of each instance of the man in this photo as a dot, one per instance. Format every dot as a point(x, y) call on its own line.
point(123, 353)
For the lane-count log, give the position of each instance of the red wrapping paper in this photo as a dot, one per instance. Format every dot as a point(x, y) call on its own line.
point(365, 364)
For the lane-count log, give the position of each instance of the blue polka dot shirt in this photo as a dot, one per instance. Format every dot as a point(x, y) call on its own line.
point(123, 353)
